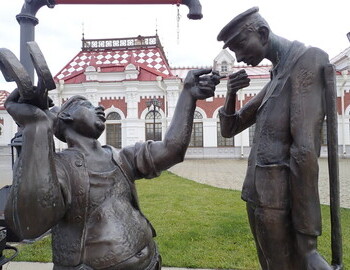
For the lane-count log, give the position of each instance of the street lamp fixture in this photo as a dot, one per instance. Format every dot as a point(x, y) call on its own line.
point(156, 105)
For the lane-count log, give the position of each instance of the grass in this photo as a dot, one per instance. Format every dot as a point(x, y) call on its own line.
point(199, 226)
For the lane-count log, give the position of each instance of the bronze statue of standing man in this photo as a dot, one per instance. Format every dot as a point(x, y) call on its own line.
point(281, 184)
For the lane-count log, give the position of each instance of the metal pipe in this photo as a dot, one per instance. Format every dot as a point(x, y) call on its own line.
point(28, 21)
point(194, 6)
point(333, 166)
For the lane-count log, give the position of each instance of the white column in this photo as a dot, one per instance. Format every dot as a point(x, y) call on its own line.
point(132, 99)
point(210, 132)
point(173, 88)
point(91, 95)
point(244, 137)
point(133, 127)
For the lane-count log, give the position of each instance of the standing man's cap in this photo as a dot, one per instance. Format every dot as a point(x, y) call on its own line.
point(236, 25)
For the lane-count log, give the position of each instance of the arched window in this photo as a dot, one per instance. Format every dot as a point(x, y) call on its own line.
point(197, 130)
point(114, 130)
point(153, 126)
point(113, 116)
point(251, 134)
point(222, 141)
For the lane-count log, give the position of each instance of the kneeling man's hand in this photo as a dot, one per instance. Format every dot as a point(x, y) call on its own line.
point(201, 87)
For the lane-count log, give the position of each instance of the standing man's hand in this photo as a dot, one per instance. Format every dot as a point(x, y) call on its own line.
point(236, 81)
point(201, 87)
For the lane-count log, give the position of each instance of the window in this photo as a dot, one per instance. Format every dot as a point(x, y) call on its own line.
point(0, 130)
point(224, 67)
point(113, 130)
point(153, 126)
point(222, 141)
point(113, 116)
point(197, 131)
point(251, 135)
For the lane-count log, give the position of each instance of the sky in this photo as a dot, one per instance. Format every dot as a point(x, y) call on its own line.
point(319, 23)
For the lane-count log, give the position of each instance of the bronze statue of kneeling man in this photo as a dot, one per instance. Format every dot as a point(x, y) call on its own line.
point(86, 193)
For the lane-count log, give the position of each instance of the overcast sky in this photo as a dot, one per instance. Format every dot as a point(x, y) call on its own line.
point(320, 23)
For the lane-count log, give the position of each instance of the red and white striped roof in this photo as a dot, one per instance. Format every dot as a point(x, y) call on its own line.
point(3, 95)
point(145, 52)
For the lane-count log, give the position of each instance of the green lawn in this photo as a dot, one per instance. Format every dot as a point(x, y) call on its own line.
point(199, 226)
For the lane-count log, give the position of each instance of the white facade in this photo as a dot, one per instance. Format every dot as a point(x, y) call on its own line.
point(127, 90)
point(8, 128)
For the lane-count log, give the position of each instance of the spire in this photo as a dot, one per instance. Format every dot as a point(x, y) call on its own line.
point(82, 31)
point(156, 26)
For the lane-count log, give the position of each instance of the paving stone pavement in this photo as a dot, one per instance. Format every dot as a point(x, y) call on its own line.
point(230, 173)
